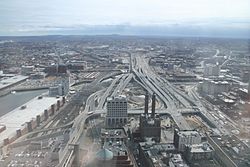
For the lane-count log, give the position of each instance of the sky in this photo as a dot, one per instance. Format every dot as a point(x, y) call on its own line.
point(35, 17)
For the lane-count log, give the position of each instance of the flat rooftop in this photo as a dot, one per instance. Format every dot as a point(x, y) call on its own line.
point(117, 148)
point(203, 147)
point(5, 82)
point(17, 118)
point(188, 133)
point(113, 133)
point(117, 98)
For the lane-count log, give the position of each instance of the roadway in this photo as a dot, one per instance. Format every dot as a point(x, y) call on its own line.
point(78, 126)
point(176, 102)
point(148, 78)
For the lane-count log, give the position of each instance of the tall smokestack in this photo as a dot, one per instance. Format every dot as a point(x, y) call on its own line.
point(153, 105)
point(146, 104)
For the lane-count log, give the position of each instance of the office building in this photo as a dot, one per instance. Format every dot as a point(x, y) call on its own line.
point(214, 87)
point(183, 138)
point(61, 87)
point(117, 111)
point(211, 70)
point(198, 152)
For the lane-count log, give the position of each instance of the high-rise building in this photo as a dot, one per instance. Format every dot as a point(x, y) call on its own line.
point(117, 111)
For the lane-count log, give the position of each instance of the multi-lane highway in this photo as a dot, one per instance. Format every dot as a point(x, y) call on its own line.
point(153, 83)
point(176, 102)
point(78, 127)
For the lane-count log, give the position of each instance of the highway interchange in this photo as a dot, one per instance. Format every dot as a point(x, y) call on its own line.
point(175, 102)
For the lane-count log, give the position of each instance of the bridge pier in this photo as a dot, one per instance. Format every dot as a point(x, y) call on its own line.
point(29, 126)
point(46, 115)
point(38, 120)
point(58, 105)
point(18, 133)
point(52, 109)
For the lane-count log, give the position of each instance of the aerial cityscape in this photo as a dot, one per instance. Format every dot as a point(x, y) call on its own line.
point(125, 83)
point(124, 101)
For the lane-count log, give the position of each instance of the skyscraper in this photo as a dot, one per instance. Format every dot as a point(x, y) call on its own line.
point(117, 111)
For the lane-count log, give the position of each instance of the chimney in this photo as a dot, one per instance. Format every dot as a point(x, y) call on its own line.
point(146, 104)
point(153, 105)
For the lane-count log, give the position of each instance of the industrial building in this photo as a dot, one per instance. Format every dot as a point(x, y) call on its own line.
point(150, 124)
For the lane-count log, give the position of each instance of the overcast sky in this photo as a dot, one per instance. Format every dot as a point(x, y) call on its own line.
point(28, 15)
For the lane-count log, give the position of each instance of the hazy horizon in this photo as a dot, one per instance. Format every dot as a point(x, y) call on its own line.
point(209, 18)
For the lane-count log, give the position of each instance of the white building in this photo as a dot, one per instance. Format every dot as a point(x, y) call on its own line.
point(183, 138)
point(211, 70)
point(65, 83)
point(177, 161)
point(117, 111)
point(61, 87)
point(212, 87)
point(197, 152)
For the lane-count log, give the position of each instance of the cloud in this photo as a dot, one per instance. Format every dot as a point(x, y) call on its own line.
point(52, 15)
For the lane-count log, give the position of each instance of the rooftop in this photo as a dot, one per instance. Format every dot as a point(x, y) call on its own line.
point(158, 152)
point(188, 133)
point(116, 147)
point(177, 161)
point(117, 98)
point(104, 155)
point(113, 133)
point(203, 147)
point(5, 82)
point(16, 118)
